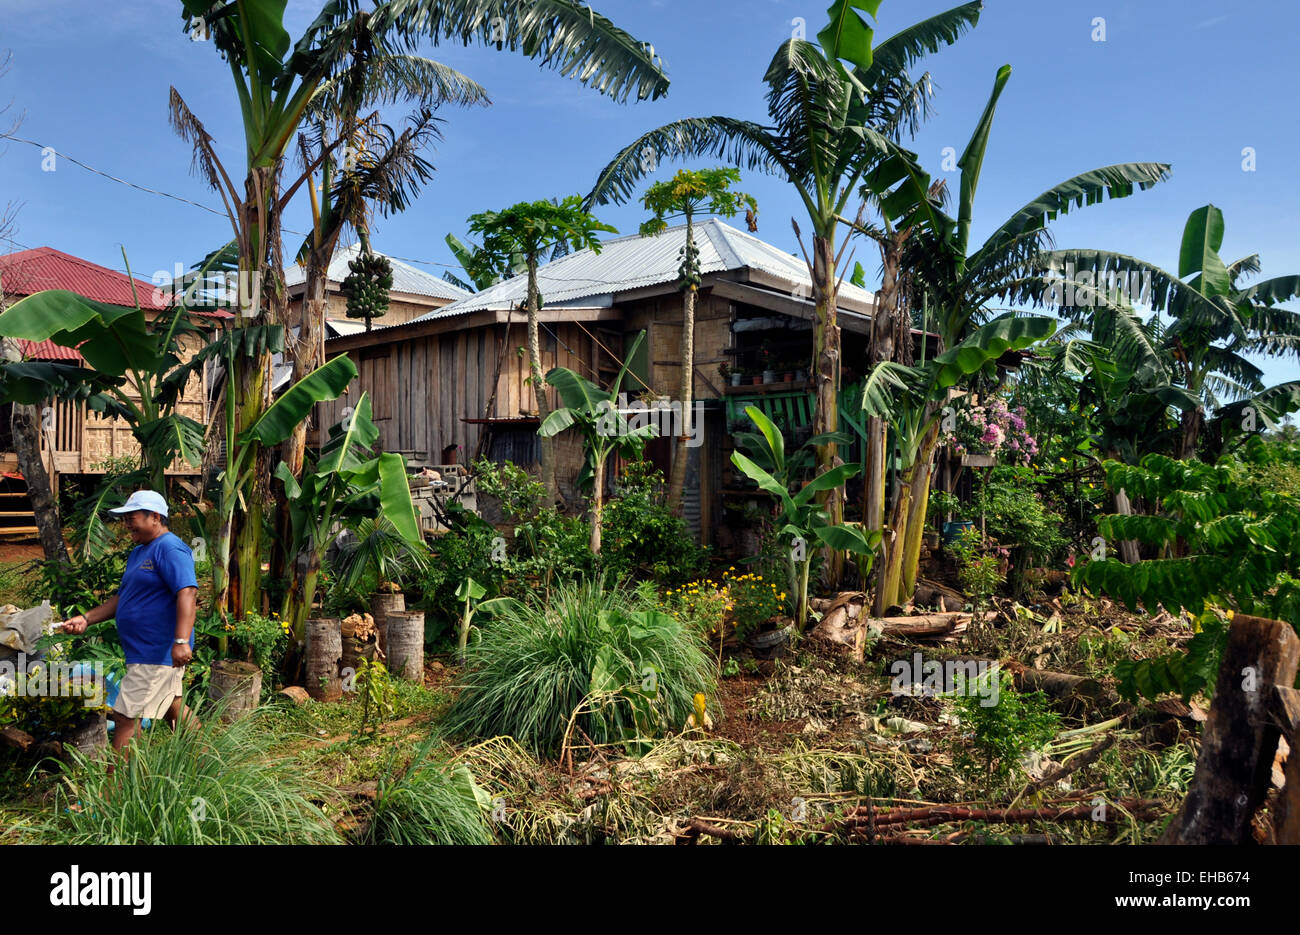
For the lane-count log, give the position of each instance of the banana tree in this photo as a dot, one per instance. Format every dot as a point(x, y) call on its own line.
point(594, 413)
point(911, 399)
point(830, 123)
point(1215, 320)
point(348, 481)
point(957, 284)
point(276, 80)
point(802, 519)
point(686, 194)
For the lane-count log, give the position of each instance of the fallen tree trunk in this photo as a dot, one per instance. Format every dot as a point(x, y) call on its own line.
point(933, 594)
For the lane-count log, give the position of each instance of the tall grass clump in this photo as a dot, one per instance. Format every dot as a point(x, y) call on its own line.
point(429, 802)
point(214, 784)
point(585, 664)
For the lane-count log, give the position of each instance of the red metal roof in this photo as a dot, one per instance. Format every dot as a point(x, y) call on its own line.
point(29, 271)
point(48, 350)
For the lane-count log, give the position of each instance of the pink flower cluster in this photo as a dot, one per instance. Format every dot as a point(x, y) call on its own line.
point(992, 429)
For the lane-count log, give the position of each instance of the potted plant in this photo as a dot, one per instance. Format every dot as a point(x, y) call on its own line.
point(253, 647)
point(375, 559)
point(767, 361)
point(729, 374)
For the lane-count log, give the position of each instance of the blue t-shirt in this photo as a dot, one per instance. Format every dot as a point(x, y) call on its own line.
point(146, 602)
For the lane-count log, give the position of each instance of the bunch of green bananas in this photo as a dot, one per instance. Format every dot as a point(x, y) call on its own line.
point(367, 285)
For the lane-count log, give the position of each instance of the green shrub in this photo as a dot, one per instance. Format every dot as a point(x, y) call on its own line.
point(1001, 733)
point(214, 784)
point(625, 668)
point(428, 802)
point(1014, 514)
point(642, 537)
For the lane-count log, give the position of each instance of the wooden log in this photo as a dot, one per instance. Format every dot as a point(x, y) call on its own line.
point(406, 644)
point(1233, 769)
point(1287, 713)
point(381, 605)
point(235, 685)
point(13, 737)
point(930, 593)
point(324, 653)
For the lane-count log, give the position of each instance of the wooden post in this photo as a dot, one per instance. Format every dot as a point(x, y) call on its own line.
point(1237, 749)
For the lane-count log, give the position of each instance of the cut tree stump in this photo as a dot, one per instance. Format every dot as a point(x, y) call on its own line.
point(1287, 713)
point(1237, 749)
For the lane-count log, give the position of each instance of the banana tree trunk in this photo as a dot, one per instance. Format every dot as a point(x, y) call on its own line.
point(1191, 432)
point(920, 507)
point(888, 590)
point(249, 391)
point(882, 348)
point(597, 504)
point(539, 386)
point(826, 378)
point(1128, 549)
point(678, 481)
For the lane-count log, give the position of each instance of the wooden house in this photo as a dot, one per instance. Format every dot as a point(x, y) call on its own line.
point(75, 441)
point(451, 383)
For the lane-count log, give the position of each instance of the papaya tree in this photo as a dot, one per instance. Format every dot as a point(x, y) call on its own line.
point(528, 230)
point(687, 194)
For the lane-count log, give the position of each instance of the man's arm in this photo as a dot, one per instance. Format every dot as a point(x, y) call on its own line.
point(186, 609)
point(79, 622)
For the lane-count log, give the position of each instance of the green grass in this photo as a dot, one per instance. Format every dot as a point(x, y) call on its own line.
point(623, 668)
point(428, 802)
point(211, 785)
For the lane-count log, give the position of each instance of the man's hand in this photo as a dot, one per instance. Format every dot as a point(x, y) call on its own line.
point(181, 654)
point(75, 624)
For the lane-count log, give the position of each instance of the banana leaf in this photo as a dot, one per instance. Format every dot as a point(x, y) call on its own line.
point(113, 339)
point(295, 405)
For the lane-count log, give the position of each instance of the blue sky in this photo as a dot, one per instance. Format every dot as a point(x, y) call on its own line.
point(1190, 82)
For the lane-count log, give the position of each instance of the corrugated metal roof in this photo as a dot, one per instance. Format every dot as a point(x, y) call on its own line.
point(48, 350)
point(635, 262)
point(29, 271)
point(406, 278)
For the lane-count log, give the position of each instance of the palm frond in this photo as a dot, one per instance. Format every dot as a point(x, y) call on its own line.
point(1089, 188)
point(737, 142)
point(564, 35)
point(390, 79)
point(906, 47)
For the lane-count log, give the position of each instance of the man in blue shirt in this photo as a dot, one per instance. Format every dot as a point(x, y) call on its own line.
point(154, 608)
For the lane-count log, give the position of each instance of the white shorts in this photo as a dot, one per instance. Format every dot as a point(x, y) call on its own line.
point(148, 691)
